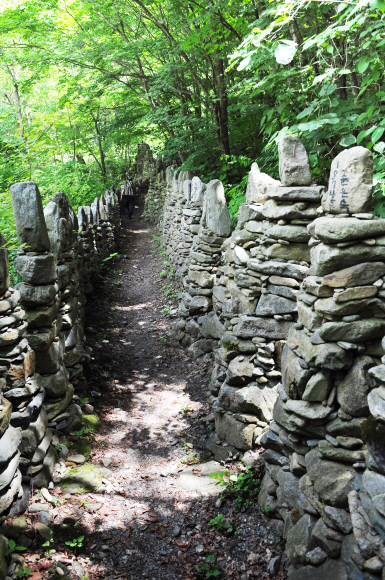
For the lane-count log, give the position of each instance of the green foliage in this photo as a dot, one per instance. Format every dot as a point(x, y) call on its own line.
point(220, 523)
point(244, 486)
point(208, 568)
point(13, 548)
point(25, 572)
point(75, 543)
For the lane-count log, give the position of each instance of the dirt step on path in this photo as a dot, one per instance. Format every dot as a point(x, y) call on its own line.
point(137, 520)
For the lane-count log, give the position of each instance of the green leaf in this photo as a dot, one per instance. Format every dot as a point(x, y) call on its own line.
point(379, 147)
point(377, 134)
point(347, 140)
point(362, 64)
point(305, 113)
point(285, 51)
point(243, 64)
point(377, 4)
point(327, 89)
point(310, 126)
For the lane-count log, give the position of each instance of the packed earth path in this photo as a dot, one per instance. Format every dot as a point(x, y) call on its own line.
point(132, 492)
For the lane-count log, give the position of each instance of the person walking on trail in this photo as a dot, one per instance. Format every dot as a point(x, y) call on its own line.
point(128, 197)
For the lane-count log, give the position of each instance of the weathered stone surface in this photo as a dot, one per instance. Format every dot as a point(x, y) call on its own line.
point(42, 448)
point(350, 182)
point(337, 519)
point(215, 215)
point(300, 540)
point(234, 432)
point(294, 166)
point(4, 272)
point(10, 302)
point(9, 443)
point(326, 259)
point(328, 355)
point(278, 269)
point(56, 384)
point(9, 471)
point(48, 361)
point(358, 275)
point(356, 293)
point(199, 304)
point(351, 428)
point(84, 478)
point(42, 340)
point(284, 291)
point(376, 403)
point(318, 386)
point(257, 185)
point(276, 211)
point(36, 270)
point(36, 295)
point(43, 477)
point(287, 491)
point(331, 569)
point(270, 304)
point(309, 318)
point(201, 278)
point(358, 331)
point(198, 189)
point(338, 454)
point(248, 327)
point(53, 409)
point(352, 391)
point(313, 285)
point(279, 281)
point(331, 547)
point(212, 327)
point(308, 409)
point(296, 193)
point(333, 231)
point(252, 399)
point(368, 306)
point(9, 494)
point(29, 216)
point(5, 416)
point(249, 212)
point(297, 252)
point(297, 234)
point(332, 481)
point(239, 371)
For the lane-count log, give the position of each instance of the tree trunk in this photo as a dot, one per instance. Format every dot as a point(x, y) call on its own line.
point(222, 105)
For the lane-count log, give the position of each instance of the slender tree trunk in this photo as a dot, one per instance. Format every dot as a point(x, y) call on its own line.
point(223, 119)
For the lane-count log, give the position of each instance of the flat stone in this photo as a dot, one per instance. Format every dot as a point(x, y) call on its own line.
point(337, 519)
point(356, 293)
point(42, 315)
point(313, 285)
point(308, 409)
point(41, 450)
point(277, 211)
point(5, 416)
point(297, 234)
point(326, 355)
point(280, 281)
point(351, 428)
point(308, 317)
point(53, 409)
point(294, 166)
point(326, 259)
point(376, 404)
point(29, 216)
point(339, 454)
point(360, 331)
point(284, 291)
point(318, 386)
point(279, 269)
point(9, 443)
point(44, 476)
point(352, 391)
point(350, 443)
point(270, 304)
point(196, 478)
point(300, 540)
point(319, 533)
point(8, 497)
point(334, 231)
point(36, 295)
point(236, 433)
point(350, 183)
point(296, 193)
point(358, 275)
point(248, 327)
point(79, 459)
point(9, 471)
point(252, 399)
point(33, 435)
point(291, 251)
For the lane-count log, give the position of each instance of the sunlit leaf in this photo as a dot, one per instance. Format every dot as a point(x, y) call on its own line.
point(347, 140)
point(285, 51)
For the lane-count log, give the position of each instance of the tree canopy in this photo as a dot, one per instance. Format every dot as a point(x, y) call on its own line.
point(211, 84)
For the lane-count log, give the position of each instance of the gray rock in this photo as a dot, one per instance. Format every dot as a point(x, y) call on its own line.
point(376, 403)
point(284, 291)
point(316, 557)
point(252, 399)
point(331, 569)
point(44, 518)
point(270, 304)
point(273, 566)
point(308, 409)
point(36, 295)
point(239, 371)
point(198, 189)
point(197, 478)
point(333, 231)
point(294, 166)
point(4, 272)
point(319, 533)
point(308, 317)
point(298, 234)
point(287, 491)
point(36, 270)
point(352, 391)
point(8, 473)
point(350, 183)
point(358, 275)
point(351, 428)
point(332, 481)
point(269, 328)
point(236, 433)
point(29, 216)
point(9, 443)
point(296, 193)
point(273, 210)
point(278, 269)
point(368, 306)
point(215, 215)
point(337, 519)
point(358, 331)
point(326, 259)
point(257, 185)
point(318, 386)
point(300, 540)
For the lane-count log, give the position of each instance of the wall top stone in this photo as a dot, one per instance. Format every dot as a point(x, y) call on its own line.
point(294, 166)
point(350, 183)
point(258, 184)
point(198, 189)
point(215, 215)
point(29, 216)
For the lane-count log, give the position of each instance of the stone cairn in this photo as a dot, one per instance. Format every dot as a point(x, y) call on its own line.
point(321, 479)
point(41, 341)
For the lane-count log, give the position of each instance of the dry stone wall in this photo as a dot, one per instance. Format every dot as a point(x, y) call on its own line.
point(291, 308)
point(42, 350)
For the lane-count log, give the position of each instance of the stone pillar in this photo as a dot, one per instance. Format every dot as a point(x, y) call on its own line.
point(18, 384)
point(37, 267)
point(321, 479)
point(266, 258)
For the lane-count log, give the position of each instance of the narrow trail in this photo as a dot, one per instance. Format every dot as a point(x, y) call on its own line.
point(139, 523)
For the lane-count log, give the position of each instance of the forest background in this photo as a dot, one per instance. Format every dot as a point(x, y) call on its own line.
point(211, 84)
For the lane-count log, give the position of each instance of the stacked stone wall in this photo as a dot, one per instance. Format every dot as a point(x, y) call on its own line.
point(292, 312)
point(42, 349)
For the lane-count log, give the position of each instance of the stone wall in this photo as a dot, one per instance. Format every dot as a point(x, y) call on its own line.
point(291, 308)
point(42, 349)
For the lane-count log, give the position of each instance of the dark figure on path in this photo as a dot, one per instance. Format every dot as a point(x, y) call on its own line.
point(128, 197)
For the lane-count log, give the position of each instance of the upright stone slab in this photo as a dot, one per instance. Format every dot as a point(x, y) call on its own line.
point(257, 185)
point(294, 166)
point(4, 272)
point(198, 189)
point(215, 213)
point(29, 216)
point(350, 183)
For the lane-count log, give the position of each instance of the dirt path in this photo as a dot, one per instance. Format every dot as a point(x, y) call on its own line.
point(139, 523)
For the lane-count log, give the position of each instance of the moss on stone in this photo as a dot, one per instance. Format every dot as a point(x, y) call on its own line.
point(85, 478)
point(92, 422)
point(373, 431)
point(82, 447)
point(229, 346)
